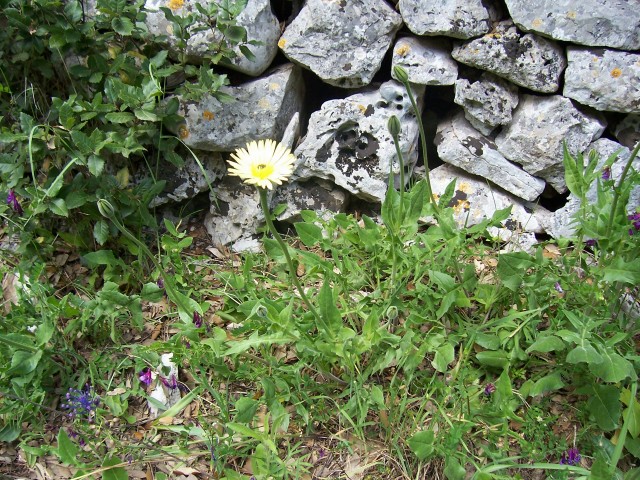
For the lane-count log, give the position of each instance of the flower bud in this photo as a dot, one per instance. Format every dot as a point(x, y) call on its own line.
point(105, 208)
point(401, 74)
point(394, 126)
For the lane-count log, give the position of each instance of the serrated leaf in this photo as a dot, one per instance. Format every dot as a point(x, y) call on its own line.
point(622, 270)
point(145, 115)
point(59, 207)
point(612, 368)
point(246, 408)
point(421, 444)
point(122, 25)
point(101, 232)
point(119, 117)
point(445, 354)
point(96, 165)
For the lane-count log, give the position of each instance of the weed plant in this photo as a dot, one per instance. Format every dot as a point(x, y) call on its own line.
point(386, 346)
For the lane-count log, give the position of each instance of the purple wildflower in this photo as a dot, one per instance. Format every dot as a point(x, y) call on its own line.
point(558, 287)
point(73, 434)
point(171, 383)
point(197, 319)
point(571, 457)
point(635, 220)
point(145, 376)
point(13, 202)
point(489, 388)
point(591, 242)
point(81, 403)
point(606, 173)
point(160, 283)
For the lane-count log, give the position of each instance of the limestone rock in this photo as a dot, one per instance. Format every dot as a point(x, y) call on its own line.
point(257, 18)
point(263, 109)
point(487, 102)
point(341, 41)
point(588, 22)
point(474, 201)
point(348, 142)
point(461, 145)
point(190, 179)
point(452, 18)
point(535, 136)
point(527, 60)
point(603, 79)
point(560, 224)
point(317, 195)
point(627, 132)
point(427, 60)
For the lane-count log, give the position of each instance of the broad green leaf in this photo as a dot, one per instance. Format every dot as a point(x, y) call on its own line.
point(573, 173)
point(546, 384)
point(256, 340)
point(546, 344)
point(604, 405)
point(119, 117)
point(115, 473)
point(328, 310)
point(175, 409)
point(498, 359)
point(443, 357)
point(59, 207)
point(422, 444)
point(633, 446)
point(246, 408)
point(101, 232)
point(10, 432)
point(622, 270)
point(66, 451)
point(122, 25)
point(512, 268)
point(634, 473)
point(23, 362)
point(309, 233)
point(613, 367)
point(632, 413)
point(453, 470)
point(584, 353)
point(145, 115)
point(96, 165)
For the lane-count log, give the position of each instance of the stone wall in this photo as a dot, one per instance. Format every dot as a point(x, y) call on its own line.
point(508, 82)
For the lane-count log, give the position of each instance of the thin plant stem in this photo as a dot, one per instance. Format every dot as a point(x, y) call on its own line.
point(285, 250)
point(616, 195)
point(617, 452)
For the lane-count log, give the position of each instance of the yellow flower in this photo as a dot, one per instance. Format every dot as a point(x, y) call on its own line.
point(175, 4)
point(264, 163)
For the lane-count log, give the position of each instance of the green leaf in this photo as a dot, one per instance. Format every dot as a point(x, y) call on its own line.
point(584, 353)
point(328, 310)
point(66, 451)
point(453, 470)
point(101, 232)
point(573, 174)
point(497, 359)
point(512, 268)
point(547, 343)
point(10, 432)
point(633, 415)
point(634, 473)
point(116, 473)
point(246, 408)
point(604, 405)
point(119, 117)
point(122, 25)
point(445, 354)
point(546, 384)
point(612, 367)
point(59, 207)
point(623, 270)
point(422, 444)
point(309, 233)
point(145, 115)
point(96, 165)
point(23, 362)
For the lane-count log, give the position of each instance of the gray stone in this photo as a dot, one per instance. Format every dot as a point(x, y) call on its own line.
point(527, 60)
point(317, 195)
point(587, 22)
point(348, 141)
point(474, 201)
point(452, 18)
point(535, 136)
point(487, 102)
point(627, 132)
point(461, 145)
point(603, 79)
point(427, 61)
point(235, 212)
point(257, 18)
point(560, 224)
point(341, 41)
point(192, 178)
point(263, 109)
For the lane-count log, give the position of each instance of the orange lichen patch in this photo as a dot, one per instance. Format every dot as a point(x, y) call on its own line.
point(536, 23)
point(274, 86)
point(616, 73)
point(464, 186)
point(207, 115)
point(362, 108)
point(402, 50)
point(572, 15)
point(281, 43)
point(183, 131)
point(175, 4)
point(494, 35)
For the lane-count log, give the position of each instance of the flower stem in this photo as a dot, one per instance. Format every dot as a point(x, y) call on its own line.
point(285, 250)
point(616, 195)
